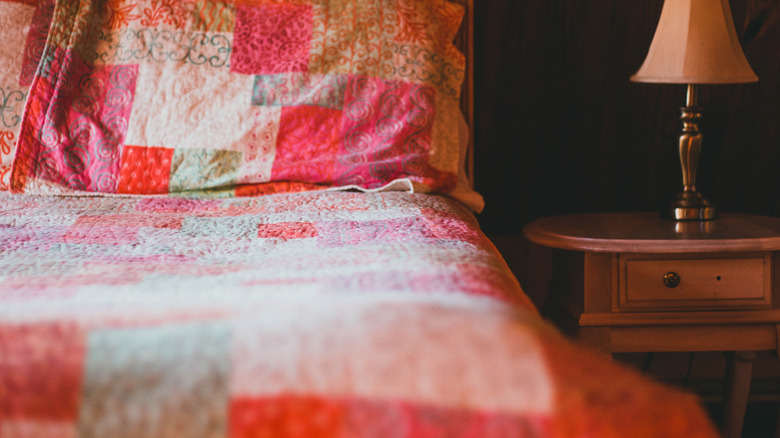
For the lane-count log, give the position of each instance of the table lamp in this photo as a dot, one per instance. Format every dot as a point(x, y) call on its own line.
point(695, 43)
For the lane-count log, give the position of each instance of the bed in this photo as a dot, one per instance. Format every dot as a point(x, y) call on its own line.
point(255, 219)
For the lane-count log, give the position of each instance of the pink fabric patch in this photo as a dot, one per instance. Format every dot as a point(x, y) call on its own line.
point(307, 144)
point(485, 281)
point(15, 238)
point(387, 131)
point(271, 39)
point(24, 288)
point(84, 126)
point(351, 233)
point(44, 287)
point(176, 205)
point(287, 230)
point(101, 235)
point(452, 227)
point(24, 2)
point(467, 279)
point(28, 387)
point(145, 170)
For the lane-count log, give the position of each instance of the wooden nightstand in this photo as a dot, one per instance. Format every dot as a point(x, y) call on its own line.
point(633, 282)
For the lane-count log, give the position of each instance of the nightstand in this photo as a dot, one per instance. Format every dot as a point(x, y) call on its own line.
point(633, 282)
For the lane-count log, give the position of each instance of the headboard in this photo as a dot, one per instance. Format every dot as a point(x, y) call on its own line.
point(464, 40)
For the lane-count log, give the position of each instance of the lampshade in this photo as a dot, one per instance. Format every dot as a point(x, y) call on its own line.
point(695, 43)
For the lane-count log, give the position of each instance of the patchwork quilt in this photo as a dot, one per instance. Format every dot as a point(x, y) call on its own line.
point(327, 314)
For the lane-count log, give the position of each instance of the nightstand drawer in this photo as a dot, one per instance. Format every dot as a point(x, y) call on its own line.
point(646, 283)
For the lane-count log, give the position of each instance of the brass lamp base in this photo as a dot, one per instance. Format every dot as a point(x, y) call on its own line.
point(691, 206)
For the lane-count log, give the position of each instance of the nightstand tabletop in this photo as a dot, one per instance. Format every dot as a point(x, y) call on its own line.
point(647, 232)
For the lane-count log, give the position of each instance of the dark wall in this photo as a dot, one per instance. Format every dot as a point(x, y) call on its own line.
point(561, 129)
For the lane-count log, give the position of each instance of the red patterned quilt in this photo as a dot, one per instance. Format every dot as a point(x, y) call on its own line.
point(330, 314)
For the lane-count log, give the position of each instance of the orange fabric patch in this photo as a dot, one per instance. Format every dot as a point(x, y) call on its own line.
point(271, 188)
point(145, 170)
point(292, 417)
point(130, 220)
point(287, 230)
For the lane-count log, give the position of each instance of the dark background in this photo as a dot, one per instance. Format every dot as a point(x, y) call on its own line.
point(559, 127)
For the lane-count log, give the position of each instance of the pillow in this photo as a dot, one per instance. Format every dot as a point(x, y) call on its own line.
point(240, 97)
point(23, 29)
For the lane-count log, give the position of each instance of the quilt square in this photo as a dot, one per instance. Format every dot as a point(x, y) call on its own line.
point(313, 417)
point(7, 147)
point(15, 19)
point(271, 39)
point(155, 379)
point(344, 234)
point(287, 230)
point(351, 37)
point(307, 144)
point(130, 220)
point(119, 235)
point(451, 227)
point(156, 13)
point(260, 146)
point(28, 390)
point(387, 131)
point(37, 429)
point(197, 169)
point(178, 105)
point(272, 188)
point(299, 89)
point(214, 16)
point(161, 31)
point(36, 40)
point(422, 24)
point(145, 170)
point(226, 228)
point(32, 3)
point(177, 205)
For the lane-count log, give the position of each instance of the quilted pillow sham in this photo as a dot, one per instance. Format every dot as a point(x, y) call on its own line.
point(23, 28)
point(243, 97)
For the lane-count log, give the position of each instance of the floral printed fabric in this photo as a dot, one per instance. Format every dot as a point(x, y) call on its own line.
point(228, 97)
point(327, 314)
point(23, 29)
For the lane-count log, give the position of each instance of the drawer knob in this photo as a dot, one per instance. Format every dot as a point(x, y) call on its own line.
point(672, 279)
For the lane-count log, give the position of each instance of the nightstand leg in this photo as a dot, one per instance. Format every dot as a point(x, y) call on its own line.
point(738, 374)
point(777, 347)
